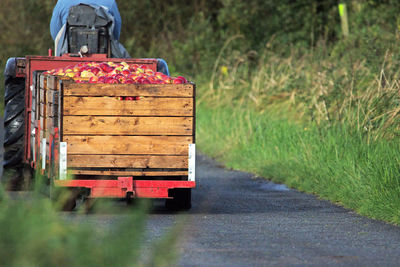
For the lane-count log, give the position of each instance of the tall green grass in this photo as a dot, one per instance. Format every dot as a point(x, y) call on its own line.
point(336, 163)
point(317, 121)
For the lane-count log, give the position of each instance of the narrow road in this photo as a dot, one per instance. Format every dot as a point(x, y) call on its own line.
point(237, 220)
point(241, 221)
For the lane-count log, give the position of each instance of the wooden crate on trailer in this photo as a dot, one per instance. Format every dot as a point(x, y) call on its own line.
point(107, 135)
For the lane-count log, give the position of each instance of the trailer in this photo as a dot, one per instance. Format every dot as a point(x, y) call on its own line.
point(84, 137)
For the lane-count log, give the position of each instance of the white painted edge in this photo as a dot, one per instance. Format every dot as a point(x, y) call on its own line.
point(192, 162)
point(63, 160)
point(43, 153)
point(34, 145)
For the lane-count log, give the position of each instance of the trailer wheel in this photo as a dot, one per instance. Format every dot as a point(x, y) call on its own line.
point(64, 199)
point(182, 199)
point(14, 122)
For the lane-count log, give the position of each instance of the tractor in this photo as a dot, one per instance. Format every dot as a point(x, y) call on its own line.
point(150, 153)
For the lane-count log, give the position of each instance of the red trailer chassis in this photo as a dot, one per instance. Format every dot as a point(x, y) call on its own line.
point(113, 188)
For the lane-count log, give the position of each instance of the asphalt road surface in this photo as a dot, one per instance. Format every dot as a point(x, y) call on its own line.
point(238, 220)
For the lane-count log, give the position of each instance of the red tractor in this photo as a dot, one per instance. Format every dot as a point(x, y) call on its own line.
point(156, 160)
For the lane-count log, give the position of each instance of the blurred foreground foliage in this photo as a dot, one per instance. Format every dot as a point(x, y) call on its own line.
point(34, 233)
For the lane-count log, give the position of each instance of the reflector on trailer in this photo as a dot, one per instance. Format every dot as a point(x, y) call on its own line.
point(192, 162)
point(43, 153)
point(63, 160)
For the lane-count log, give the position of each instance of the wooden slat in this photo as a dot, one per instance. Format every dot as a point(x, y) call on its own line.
point(52, 110)
point(42, 110)
point(123, 145)
point(42, 96)
point(113, 106)
point(128, 161)
point(52, 96)
point(52, 82)
point(49, 127)
point(42, 81)
point(88, 89)
point(127, 125)
point(129, 173)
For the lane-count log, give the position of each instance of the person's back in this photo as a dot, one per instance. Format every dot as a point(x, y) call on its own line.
point(61, 10)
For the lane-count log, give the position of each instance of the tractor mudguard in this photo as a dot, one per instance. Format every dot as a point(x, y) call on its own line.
point(15, 67)
point(11, 67)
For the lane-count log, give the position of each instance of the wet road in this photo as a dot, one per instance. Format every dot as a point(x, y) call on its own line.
point(237, 220)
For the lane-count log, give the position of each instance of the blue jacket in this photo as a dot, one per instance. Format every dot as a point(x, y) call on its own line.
point(61, 10)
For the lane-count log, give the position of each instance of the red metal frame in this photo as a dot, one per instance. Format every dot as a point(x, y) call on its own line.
point(124, 185)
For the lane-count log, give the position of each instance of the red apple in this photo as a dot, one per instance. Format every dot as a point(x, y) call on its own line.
point(145, 81)
point(111, 80)
point(178, 81)
point(106, 68)
point(94, 79)
point(101, 79)
point(126, 72)
point(182, 78)
point(95, 70)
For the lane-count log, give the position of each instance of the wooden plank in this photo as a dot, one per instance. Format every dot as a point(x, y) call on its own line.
point(52, 110)
point(127, 125)
point(42, 95)
point(49, 127)
point(128, 161)
point(52, 82)
point(42, 123)
point(89, 89)
point(145, 106)
point(42, 81)
point(128, 173)
point(42, 109)
point(125, 145)
point(52, 96)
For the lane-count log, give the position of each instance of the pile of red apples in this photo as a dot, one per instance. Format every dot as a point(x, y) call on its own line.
point(117, 73)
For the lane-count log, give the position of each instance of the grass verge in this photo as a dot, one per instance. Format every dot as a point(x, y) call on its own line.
point(336, 162)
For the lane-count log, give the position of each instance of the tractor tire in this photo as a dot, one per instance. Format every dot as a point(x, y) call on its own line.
point(14, 122)
point(182, 199)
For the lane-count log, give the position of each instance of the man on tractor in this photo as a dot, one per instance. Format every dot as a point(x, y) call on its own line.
point(61, 11)
point(87, 27)
point(90, 26)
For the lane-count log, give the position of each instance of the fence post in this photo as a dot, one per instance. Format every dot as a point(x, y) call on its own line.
point(344, 19)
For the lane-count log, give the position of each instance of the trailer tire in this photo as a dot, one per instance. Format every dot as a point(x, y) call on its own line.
point(182, 199)
point(64, 199)
point(14, 122)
